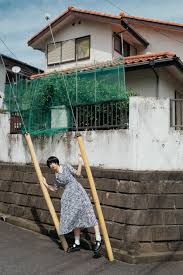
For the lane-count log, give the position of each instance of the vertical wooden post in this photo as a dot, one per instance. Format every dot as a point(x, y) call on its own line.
point(45, 191)
point(96, 199)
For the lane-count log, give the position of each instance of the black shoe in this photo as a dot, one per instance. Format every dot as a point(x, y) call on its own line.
point(97, 246)
point(74, 248)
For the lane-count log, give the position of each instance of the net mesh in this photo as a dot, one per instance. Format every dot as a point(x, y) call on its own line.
point(47, 104)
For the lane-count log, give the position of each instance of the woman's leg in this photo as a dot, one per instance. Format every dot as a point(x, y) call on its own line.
point(77, 232)
point(98, 244)
point(76, 246)
point(97, 233)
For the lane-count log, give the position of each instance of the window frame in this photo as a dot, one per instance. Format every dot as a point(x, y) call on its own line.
point(80, 38)
point(118, 37)
point(75, 55)
point(60, 53)
point(128, 48)
point(69, 61)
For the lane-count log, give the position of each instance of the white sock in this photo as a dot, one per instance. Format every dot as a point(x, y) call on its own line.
point(77, 240)
point(97, 233)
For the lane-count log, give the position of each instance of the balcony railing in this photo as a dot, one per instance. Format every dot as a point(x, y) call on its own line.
point(103, 116)
point(15, 123)
point(108, 115)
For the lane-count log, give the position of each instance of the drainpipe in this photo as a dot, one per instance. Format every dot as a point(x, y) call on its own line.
point(151, 63)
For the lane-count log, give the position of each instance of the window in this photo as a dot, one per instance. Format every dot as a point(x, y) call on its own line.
point(70, 50)
point(117, 44)
point(83, 48)
point(54, 53)
point(126, 48)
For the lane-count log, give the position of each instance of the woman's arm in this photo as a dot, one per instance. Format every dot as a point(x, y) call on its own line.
point(80, 163)
point(50, 187)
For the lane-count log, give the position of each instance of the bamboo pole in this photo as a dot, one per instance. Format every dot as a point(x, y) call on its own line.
point(96, 199)
point(45, 191)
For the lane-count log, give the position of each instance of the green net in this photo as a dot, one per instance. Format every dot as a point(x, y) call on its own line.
point(50, 104)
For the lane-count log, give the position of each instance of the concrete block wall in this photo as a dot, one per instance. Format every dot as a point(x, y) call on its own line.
point(143, 210)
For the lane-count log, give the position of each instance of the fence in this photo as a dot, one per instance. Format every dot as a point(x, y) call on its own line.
point(107, 115)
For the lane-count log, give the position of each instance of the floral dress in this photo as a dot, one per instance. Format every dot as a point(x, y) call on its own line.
point(76, 207)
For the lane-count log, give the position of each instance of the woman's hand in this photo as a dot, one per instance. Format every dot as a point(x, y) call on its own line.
point(80, 163)
point(80, 160)
point(50, 187)
point(44, 182)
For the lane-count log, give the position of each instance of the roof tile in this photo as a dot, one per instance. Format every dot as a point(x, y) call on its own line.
point(126, 60)
point(150, 20)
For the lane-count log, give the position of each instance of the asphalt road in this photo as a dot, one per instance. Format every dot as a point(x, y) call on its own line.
point(25, 252)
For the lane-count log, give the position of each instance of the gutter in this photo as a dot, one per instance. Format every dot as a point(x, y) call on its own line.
point(175, 61)
point(155, 63)
point(152, 63)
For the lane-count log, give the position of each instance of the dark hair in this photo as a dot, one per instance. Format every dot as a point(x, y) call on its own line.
point(51, 160)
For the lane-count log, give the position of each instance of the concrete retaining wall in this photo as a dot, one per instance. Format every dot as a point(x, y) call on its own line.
point(143, 210)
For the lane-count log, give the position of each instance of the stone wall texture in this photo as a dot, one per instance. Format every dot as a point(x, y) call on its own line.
point(143, 210)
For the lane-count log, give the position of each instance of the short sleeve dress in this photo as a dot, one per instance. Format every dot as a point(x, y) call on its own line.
point(76, 207)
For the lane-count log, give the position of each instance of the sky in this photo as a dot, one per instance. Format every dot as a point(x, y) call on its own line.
point(21, 19)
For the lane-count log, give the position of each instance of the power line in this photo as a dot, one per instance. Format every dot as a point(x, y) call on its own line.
point(114, 5)
point(7, 47)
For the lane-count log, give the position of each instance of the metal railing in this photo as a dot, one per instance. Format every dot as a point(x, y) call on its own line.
point(107, 115)
point(176, 113)
point(15, 123)
point(103, 116)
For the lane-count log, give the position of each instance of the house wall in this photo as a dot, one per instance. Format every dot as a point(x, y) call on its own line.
point(101, 41)
point(161, 40)
point(143, 83)
point(148, 144)
point(2, 81)
point(169, 84)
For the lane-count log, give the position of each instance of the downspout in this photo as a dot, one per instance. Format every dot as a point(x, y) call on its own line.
point(151, 63)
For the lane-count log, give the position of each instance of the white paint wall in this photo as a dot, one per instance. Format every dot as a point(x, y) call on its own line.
point(158, 147)
point(101, 41)
point(161, 40)
point(143, 82)
point(148, 144)
point(4, 141)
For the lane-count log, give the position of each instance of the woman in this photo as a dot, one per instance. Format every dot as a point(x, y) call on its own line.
point(76, 209)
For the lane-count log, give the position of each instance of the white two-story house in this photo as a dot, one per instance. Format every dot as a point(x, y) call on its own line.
point(151, 53)
point(152, 48)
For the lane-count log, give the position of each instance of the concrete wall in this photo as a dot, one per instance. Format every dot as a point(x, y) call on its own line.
point(101, 41)
point(2, 82)
point(148, 144)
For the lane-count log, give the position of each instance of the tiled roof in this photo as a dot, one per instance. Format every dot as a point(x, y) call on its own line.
point(94, 12)
point(26, 69)
point(67, 12)
point(149, 56)
point(122, 16)
point(150, 20)
point(127, 60)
